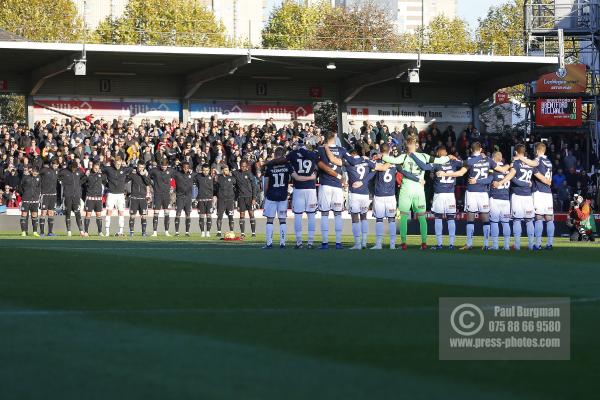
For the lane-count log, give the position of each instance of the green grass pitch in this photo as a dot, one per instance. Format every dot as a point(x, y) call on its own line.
point(179, 318)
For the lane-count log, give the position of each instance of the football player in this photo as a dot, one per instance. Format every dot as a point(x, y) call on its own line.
point(184, 182)
point(116, 174)
point(161, 185)
point(30, 201)
point(542, 198)
point(500, 205)
point(443, 206)
point(71, 180)
point(48, 201)
point(93, 197)
point(247, 192)
point(138, 203)
point(205, 183)
point(412, 194)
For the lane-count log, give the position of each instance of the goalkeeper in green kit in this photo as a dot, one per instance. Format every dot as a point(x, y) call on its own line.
point(412, 194)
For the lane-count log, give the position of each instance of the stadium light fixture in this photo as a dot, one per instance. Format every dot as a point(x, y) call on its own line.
point(331, 66)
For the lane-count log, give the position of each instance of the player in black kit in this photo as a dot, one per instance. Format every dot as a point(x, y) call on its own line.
point(48, 199)
point(30, 203)
point(161, 183)
point(93, 197)
point(247, 192)
point(138, 204)
point(225, 198)
point(116, 176)
point(184, 181)
point(205, 183)
point(70, 179)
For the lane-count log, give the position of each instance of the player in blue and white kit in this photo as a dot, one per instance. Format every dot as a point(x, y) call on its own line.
point(500, 205)
point(304, 196)
point(444, 200)
point(277, 178)
point(331, 194)
point(521, 200)
point(384, 200)
point(477, 200)
point(360, 174)
point(542, 198)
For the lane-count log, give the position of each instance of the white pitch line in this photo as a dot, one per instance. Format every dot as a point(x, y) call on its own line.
point(266, 310)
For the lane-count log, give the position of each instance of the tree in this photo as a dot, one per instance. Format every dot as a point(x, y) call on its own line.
point(36, 20)
point(501, 31)
point(163, 22)
point(41, 20)
point(365, 27)
point(450, 36)
point(292, 26)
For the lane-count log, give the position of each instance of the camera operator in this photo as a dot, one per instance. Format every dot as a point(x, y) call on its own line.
point(581, 219)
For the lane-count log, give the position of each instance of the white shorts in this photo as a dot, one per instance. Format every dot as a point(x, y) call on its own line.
point(443, 203)
point(273, 208)
point(384, 207)
point(359, 203)
point(477, 202)
point(543, 203)
point(522, 206)
point(115, 201)
point(304, 200)
point(499, 210)
point(331, 198)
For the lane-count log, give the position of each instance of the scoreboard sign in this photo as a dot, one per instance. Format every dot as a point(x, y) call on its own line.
point(558, 112)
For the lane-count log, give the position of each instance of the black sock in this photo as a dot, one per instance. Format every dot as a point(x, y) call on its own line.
point(201, 223)
point(166, 222)
point(131, 223)
point(155, 222)
point(42, 225)
point(99, 224)
point(188, 222)
point(219, 223)
point(23, 222)
point(230, 222)
point(34, 222)
point(253, 225)
point(177, 221)
point(242, 225)
point(78, 220)
point(68, 221)
point(86, 224)
point(144, 223)
point(208, 223)
point(50, 225)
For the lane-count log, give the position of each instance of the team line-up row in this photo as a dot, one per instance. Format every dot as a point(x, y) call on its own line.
point(498, 192)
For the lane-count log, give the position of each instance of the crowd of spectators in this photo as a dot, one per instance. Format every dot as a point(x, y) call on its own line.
point(226, 142)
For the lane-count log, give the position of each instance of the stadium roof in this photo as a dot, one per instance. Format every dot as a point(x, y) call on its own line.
point(196, 66)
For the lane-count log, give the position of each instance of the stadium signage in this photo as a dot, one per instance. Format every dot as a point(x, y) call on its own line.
point(45, 108)
point(3, 84)
point(407, 113)
point(571, 79)
point(501, 97)
point(558, 112)
point(248, 113)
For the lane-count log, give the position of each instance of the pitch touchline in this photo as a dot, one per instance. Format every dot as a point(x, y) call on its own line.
point(267, 310)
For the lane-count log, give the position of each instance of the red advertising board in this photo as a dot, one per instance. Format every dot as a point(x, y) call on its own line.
point(501, 97)
point(3, 84)
point(558, 112)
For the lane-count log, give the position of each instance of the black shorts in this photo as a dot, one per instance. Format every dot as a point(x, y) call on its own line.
point(72, 204)
point(245, 204)
point(162, 201)
point(183, 203)
point(30, 206)
point(138, 205)
point(205, 207)
point(48, 202)
point(93, 206)
point(225, 205)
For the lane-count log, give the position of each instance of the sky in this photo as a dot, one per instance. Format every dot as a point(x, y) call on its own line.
point(470, 10)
